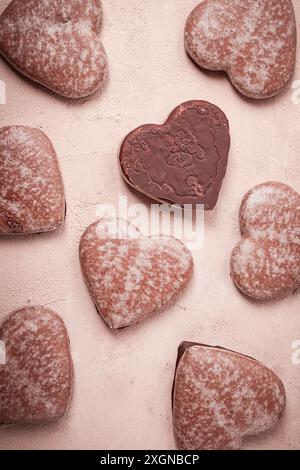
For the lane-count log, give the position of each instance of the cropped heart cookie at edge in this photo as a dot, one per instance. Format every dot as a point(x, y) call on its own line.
point(131, 277)
point(32, 196)
point(36, 371)
point(221, 397)
point(265, 265)
point(56, 44)
point(182, 161)
point(253, 41)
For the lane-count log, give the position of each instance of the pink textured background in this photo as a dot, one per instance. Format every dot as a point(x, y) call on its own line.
point(123, 380)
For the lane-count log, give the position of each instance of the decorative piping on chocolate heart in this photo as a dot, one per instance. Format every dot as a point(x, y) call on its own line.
point(182, 161)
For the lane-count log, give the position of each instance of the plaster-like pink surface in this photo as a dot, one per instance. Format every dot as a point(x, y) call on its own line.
point(123, 380)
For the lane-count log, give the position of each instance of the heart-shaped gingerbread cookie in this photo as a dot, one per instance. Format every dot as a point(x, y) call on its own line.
point(265, 265)
point(131, 277)
point(37, 374)
point(182, 161)
point(221, 397)
point(56, 44)
point(31, 189)
point(253, 41)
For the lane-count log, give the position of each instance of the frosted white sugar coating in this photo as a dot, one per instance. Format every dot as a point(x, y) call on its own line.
point(36, 380)
point(56, 44)
point(253, 41)
point(221, 397)
point(31, 189)
point(271, 211)
point(132, 278)
point(265, 265)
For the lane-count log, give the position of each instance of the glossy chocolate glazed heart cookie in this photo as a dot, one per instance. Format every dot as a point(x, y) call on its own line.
point(36, 371)
point(182, 161)
point(265, 264)
point(221, 397)
point(253, 41)
point(56, 44)
point(131, 277)
point(32, 196)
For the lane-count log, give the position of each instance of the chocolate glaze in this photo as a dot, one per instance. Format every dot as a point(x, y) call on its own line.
point(182, 161)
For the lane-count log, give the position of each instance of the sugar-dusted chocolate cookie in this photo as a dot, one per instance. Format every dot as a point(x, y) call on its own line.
point(131, 277)
point(37, 374)
point(265, 264)
point(182, 161)
point(32, 196)
point(56, 43)
point(253, 41)
point(221, 397)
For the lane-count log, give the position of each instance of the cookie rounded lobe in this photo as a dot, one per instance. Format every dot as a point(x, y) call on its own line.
point(221, 397)
point(37, 377)
point(182, 161)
